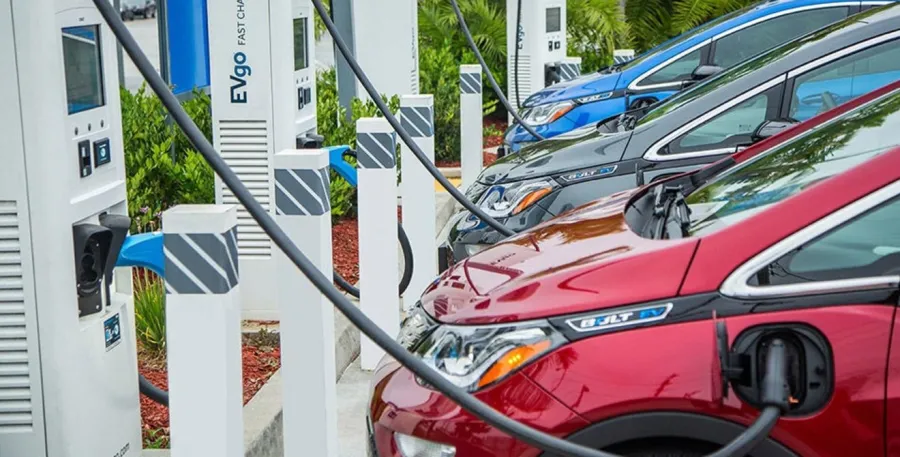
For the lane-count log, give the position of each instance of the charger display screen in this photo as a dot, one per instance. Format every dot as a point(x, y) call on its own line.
point(554, 19)
point(301, 57)
point(83, 66)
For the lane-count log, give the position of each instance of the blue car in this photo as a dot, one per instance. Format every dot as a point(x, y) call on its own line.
point(674, 64)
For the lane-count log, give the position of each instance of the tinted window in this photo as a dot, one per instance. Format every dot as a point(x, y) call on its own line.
point(672, 43)
point(867, 246)
point(793, 166)
point(837, 82)
point(730, 128)
point(736, 72)
point(757, 38)
point(678, 70)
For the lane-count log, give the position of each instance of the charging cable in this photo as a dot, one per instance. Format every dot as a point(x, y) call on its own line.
point(490, 75)
point(479, 409)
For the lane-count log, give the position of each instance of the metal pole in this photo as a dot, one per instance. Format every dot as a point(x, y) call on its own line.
point(342, 15)
point(163, 31)
point(119, 56)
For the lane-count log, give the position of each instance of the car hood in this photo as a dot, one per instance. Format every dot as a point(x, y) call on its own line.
point(582, 86)
point(586, 260)
point(581, 148)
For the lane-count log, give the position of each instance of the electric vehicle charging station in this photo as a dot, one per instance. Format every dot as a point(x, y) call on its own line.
point(380, 45)
point(68, 367)
point(540, 41)
point(262, 86)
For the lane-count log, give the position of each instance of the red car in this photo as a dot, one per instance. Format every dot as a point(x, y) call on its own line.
point(637, 324)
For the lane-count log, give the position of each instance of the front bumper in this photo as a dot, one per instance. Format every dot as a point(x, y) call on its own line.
point(401, 405)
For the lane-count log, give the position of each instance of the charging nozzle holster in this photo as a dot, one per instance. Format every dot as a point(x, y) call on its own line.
point(96, 248)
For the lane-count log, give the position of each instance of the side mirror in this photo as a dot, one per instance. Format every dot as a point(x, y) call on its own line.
point(771, 128)
point(705, 71)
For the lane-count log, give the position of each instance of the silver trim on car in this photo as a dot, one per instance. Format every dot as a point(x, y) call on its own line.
point(653, 154)
point(736, 285)
point(635, 85)
point(782, 13)
point(842, 53)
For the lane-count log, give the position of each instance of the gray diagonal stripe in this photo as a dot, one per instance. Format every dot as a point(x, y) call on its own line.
point(215, 250)
point(417, 121)
point(285, 204)
point(231, 241)
point(326, 182)
point(232, 262)
point(297, 188)
point(379, 149)
point(193, 264)
point(316, 181)
point(178, 280)
point(470, 83)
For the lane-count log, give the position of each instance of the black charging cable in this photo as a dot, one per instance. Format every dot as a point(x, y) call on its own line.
point(479, 409)
point(407, 267)
point(518, 44)
point(152, 391)
point(490, 75)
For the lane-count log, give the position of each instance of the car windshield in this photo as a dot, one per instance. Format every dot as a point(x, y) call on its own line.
point(786, 170)
point(734, 73)
point(673, 42)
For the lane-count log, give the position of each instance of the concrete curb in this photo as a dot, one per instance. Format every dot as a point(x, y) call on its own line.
point(451, 172)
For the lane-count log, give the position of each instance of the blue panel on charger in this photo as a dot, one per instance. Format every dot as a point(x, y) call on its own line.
point(337, 162)
point(186, 22)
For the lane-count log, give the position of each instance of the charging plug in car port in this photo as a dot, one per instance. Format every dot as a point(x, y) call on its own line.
point(809, 363)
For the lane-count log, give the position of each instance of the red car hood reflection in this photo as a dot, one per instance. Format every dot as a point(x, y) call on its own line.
point(586, 260)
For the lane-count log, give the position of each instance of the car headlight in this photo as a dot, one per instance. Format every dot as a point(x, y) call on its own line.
point(504, 200)
point(474, 357)
point(545, 114)
point(414, 328)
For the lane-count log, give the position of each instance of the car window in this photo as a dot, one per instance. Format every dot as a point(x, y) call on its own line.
point(673, 42)
point(729, 129)
point(746, 67)
point(757, 38)
point(866, 246)
point(846, 78)
point(679, 70)
point(787, 169)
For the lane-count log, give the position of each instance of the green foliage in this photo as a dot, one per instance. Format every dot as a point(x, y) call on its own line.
point(150, 312)
point(654, 21)
point(336, 130)
point(595, 29)
point(439, 76)
point(162, 170)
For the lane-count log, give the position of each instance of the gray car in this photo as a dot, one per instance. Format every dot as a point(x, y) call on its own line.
point(724, 114)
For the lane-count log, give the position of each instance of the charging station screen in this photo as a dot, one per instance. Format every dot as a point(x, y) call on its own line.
point(554, 17)
point(301, 57)
point(84, 71)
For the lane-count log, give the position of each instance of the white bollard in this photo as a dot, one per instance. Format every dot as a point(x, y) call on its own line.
point(203, 330)
point(378, 258)
point(303, 211)
point(570, 68)
point(417, 190)
point(471, 127)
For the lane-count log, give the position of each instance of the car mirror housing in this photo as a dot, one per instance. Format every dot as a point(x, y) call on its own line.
point(705, 71)
point(771, 128)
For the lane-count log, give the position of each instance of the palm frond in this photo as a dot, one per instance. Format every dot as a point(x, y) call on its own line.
point(688, 14)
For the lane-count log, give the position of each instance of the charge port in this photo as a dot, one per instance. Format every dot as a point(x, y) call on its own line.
point(809, 359)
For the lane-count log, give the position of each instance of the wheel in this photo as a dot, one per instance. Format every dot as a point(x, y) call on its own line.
point(663, 448)
point(642, 103)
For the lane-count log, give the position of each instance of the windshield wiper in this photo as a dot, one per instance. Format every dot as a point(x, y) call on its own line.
point(702, 176)
point(671, 214)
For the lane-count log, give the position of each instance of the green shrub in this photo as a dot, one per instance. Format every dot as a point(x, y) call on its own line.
point(439, 76)
point(162, 170)
point(150, 312)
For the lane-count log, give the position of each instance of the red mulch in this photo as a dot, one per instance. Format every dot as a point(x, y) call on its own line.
point(490, 141)
point(345, 249)
point(259, 365)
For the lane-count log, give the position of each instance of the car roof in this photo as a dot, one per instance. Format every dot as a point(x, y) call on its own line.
point(725, 86)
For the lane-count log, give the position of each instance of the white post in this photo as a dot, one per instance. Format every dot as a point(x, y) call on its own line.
point(471, 127)
point(570, 68)
point(303, 211)
point(417, 190)
point(203, 330)
point(378, 258)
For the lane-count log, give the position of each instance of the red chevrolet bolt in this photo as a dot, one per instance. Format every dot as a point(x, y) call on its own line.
point(637, 324)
